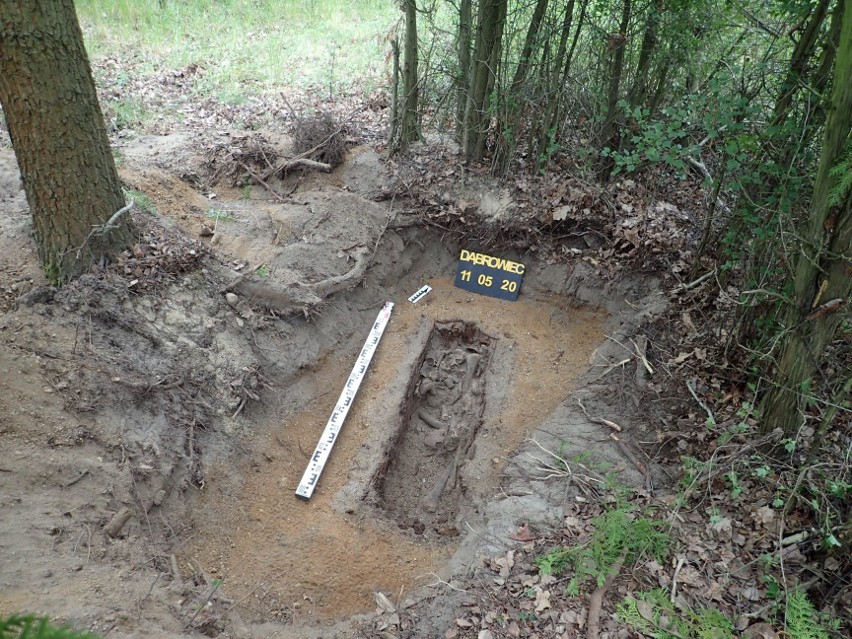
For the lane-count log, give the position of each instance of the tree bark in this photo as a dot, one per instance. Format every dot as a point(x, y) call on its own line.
point(530, 42)
point(802, 54)
point(641, 84)
point(58, 134)
point(608, 136)
point(492, 16)
point(409, 131)
point(822, 271)
point(464, 64)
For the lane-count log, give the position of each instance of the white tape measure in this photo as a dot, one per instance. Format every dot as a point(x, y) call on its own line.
point(335, 422)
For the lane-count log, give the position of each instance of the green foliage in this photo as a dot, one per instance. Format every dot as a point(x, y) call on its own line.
point(32, 627)
point(664, 140)
point(126, 114)
point(618, 533)
point(804, 622)
point(654, 615)
point(141, 200)
point(219, 215)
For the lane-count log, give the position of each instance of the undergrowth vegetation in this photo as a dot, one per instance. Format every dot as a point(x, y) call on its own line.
point(247, 46)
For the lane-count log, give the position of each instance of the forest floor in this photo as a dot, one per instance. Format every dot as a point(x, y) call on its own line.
point(156, 416)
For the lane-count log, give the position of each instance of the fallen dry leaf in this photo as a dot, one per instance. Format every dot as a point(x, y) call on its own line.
point(523, 534)
point(542, 599)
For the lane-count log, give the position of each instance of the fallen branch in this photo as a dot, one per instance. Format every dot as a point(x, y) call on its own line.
point(101, 229)
point(599, 420)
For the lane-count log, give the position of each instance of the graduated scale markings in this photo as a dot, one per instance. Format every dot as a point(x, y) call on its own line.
point(344, 402)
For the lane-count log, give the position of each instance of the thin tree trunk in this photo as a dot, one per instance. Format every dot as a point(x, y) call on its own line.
point(608, 136)
point(409, 131)
point(799, 62)
point(561, 68)
point(641, 83)
point(58, 134)
point(486, 57)
point(464, 64)
point(822, 285)
point(529, 43)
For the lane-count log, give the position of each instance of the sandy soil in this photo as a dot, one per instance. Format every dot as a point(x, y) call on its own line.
point(197, 410)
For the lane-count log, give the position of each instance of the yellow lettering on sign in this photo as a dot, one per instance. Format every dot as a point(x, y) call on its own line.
point(501, 263)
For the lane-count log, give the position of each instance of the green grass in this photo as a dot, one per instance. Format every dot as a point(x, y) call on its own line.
point(257, 45)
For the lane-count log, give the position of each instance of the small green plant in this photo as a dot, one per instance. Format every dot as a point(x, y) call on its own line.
point(220, 216)
point(141, 200)
point(263, 271)
point(733, 480)
point(246, 191)
point(619, 535)
point(125, 114)
point(654, 615)
point(32, 627)
point(804, 622)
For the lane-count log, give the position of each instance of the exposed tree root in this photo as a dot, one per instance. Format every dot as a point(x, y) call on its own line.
point(596, 600)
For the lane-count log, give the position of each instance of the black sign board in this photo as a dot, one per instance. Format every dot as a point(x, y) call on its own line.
point(487, 275)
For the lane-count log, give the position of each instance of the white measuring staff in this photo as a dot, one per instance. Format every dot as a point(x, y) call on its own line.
point(335, 422)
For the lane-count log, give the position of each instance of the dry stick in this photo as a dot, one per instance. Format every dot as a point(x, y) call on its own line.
point(311, 164)
point(680, 562)
point(206, 601)
point(101, 229)
point(701, 402)
point(596, 600)
point(600, 420)
point(694, 283)
point(73, 481)
point(261, 181)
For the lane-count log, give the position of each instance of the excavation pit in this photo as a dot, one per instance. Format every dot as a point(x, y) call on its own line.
point(421, 487)
point(365, 529)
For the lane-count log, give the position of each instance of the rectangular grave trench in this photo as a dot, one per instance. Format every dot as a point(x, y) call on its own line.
point(421, 484)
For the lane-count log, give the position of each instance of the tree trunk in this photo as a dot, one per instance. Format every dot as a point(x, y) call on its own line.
point(641, 83)
point(822, 284)
point(408, 129)
point(492, 15)
point(617, 42)
point(464, 64)
point(58, 134)
point(530, 42)
point(802, 54)
point(550, 117)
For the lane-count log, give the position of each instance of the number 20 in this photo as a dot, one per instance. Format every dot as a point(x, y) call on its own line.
point(509, 285)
